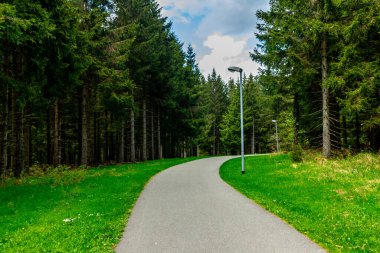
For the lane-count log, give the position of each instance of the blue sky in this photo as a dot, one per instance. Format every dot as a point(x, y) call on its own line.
point(220, 31)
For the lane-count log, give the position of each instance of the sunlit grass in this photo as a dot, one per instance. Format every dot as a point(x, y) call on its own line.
point(334, 202)
point(72, 211)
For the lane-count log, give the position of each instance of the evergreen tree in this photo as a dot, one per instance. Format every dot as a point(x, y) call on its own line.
point(213, 102)
point(230, 125)
point(24, 27)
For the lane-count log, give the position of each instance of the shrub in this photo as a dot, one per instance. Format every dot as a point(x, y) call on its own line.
point(44, 169)
point(297, 153)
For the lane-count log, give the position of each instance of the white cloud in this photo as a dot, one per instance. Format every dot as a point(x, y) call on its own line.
point(226, 51)
point(221, 31)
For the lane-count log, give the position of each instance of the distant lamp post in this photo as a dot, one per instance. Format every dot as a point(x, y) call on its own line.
point(240, 70)
point(278, 145)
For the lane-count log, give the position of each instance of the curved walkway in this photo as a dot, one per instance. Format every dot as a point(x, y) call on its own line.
point(188, 208)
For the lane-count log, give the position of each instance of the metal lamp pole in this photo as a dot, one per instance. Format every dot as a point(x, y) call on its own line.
point(240, 70)
point(278, 146)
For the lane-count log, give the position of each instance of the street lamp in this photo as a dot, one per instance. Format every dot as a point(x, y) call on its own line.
point(240, 70)
point(278, 146)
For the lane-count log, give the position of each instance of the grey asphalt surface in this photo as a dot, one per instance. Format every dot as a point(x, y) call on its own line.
point(188, 208)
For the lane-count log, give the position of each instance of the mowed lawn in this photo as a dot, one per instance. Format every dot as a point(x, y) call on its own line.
point(72, 211)
point(336, 203)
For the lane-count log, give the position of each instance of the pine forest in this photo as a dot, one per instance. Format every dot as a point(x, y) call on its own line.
point(90, 82)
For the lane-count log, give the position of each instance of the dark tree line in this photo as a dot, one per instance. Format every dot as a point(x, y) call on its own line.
point(321, 59)
point(92, 82)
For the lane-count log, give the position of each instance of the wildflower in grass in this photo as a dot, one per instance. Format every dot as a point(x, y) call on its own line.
point(68, 220)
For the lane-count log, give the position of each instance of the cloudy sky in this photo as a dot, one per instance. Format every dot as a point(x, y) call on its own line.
point(220, 31)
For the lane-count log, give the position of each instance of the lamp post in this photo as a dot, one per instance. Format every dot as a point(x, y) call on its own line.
point(240, 70)
point(278, 146)
point(253, 134)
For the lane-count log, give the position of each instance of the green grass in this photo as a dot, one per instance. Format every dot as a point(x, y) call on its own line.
point(336, 203)
point(72, 211)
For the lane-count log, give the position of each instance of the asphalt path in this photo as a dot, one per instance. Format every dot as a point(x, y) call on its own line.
point(188, 208)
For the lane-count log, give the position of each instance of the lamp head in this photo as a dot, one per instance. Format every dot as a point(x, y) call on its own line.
point(235, 69)
point(274, 121)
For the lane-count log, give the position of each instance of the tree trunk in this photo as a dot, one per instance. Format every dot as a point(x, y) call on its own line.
point(98, 147)
point(78, 152)
point(214, 144)
point(30, 144)
point(27, 139)
point(10, 132)
point(152, 134)
point(296, 117)
point(84, 151)
point(344, 123)
point(57, 156)
point(144, 137)
point(357, 131)
point(49, 159)
point(105, 151)
point(20, 162)
point(5, 66)
point(90, 130)
point(112, 154)
point(159, 135)
point(5, 134)
point(184, 150)
point(14, 127)
point(122, 143)
point(253, 135)
point(133, 146)
point(96, 138)
point(100, 138)
point(326, 102)
point(64, 142)
point(336, 135)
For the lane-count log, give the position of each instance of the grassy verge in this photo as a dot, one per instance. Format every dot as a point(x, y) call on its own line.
point(336, 203)
point(72, 211)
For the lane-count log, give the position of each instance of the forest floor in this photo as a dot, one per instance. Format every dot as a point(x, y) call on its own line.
point(334, 202)
point(72, 211)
